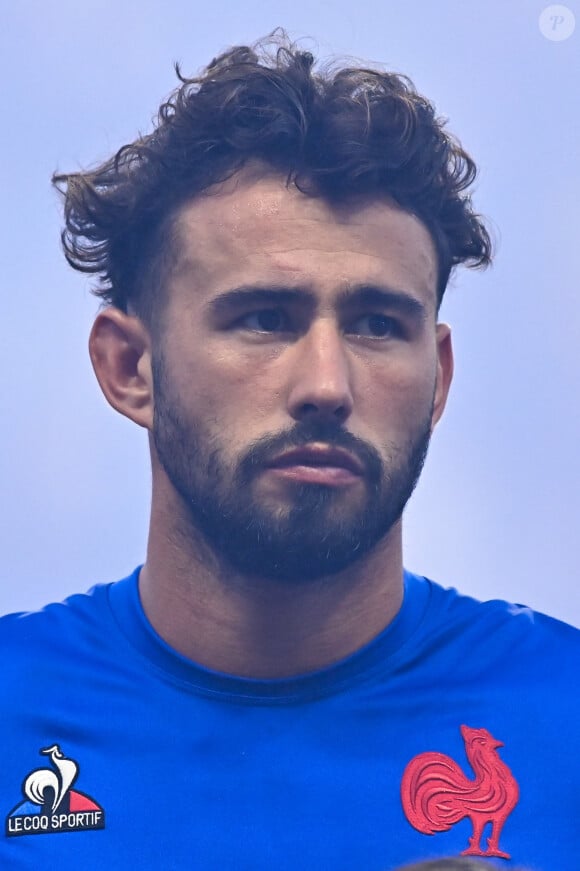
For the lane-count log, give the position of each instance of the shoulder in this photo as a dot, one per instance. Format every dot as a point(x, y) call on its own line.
point(55, 652)
point(454, 605)
point(78, 611)
point(497, 630)
point(42, 651)
point(60, 633)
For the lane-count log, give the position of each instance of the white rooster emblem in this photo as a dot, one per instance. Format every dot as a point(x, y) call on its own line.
point(59, 780)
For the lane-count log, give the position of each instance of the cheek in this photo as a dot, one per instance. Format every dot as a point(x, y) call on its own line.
point(228, 388)
point(400, 400)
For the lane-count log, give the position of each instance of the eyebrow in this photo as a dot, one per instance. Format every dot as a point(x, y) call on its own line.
point(350, 298)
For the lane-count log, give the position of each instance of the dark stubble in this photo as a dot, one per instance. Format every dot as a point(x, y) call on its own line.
point(319, 530)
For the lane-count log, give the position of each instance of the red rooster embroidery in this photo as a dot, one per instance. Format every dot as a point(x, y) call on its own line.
point(436, 794)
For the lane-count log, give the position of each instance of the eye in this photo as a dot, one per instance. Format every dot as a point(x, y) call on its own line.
point(266, 320)
point(379, 326)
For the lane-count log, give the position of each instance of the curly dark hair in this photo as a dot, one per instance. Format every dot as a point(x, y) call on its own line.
point(450, 864)
point(335, 134)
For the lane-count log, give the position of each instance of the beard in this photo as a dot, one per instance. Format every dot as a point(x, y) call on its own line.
point(317, 530)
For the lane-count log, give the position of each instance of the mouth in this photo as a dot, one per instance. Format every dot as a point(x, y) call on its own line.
point(318, 464)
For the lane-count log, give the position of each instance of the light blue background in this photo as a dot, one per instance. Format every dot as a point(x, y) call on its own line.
point(497, 511)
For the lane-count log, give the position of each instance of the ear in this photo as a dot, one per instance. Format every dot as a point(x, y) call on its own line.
point(444, 371)
point(120, 351)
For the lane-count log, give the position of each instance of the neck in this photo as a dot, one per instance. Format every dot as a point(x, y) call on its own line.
point(256, 627)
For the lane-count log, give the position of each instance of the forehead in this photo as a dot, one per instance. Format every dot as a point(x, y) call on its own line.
point(254, 228)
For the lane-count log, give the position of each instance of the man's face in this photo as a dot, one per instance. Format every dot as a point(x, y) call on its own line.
point(330, 341)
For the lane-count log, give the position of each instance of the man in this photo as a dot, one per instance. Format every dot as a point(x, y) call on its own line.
point(271, 689)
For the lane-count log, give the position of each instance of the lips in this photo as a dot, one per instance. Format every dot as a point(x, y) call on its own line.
point(318, 457)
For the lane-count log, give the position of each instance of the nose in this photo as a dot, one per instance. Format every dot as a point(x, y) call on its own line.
point(320, 381)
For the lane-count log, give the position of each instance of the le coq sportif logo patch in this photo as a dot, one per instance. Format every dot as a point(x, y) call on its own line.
point(50, 803)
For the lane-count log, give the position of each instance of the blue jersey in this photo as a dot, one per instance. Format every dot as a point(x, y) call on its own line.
point(455, 730)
